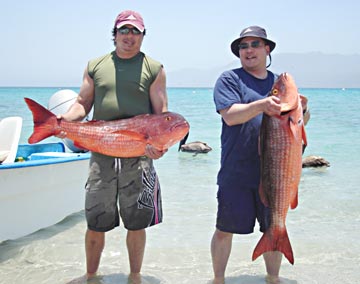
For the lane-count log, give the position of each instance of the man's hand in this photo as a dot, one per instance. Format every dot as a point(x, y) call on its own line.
point(62, 134)
point(272, 106)
point(153, 153)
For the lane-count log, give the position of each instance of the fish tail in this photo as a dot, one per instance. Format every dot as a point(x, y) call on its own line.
point(271, 241)
point(44, 122)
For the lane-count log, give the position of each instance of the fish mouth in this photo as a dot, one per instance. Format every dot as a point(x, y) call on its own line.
point(183, 127)
point(285, 112)
point(287, 107)
point(180, 124)
point(285, 92)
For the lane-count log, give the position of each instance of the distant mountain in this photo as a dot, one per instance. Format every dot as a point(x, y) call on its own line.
point(310, 70)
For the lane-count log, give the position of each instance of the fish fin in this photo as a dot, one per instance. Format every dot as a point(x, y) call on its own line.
point(44, 122)
point(293, 127)
point(273, 240)
point(294, 201)
point(263, 197)
point(80, 145)
point(133, 135)
point(183, 141)
point(304, 138)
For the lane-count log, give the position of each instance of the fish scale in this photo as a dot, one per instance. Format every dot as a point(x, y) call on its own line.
point(281, 139)
point(124, 138)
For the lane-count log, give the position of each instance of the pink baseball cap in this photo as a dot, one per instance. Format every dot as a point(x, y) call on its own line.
point(129, 17)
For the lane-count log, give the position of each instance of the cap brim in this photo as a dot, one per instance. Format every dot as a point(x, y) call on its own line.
point(140, 28)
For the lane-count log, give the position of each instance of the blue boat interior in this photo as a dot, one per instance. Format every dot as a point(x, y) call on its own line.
point(43, 154)
point(26, 150)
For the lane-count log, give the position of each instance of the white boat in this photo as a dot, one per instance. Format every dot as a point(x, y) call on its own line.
point(40, 184)
point(44, 186)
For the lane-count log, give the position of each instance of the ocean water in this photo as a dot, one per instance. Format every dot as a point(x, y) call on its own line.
point(323, 229)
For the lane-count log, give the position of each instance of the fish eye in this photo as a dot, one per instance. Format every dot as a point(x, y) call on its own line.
point(168, 118)
point(275, 92)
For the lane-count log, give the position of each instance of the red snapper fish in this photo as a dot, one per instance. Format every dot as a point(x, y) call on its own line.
point(281, 144)
point(123, 138)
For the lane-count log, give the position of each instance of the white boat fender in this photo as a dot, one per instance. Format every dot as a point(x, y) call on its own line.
point(59, 103)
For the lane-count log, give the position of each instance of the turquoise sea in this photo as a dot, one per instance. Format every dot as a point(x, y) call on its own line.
point(324, 229)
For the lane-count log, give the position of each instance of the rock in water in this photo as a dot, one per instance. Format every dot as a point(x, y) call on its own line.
point(196, 147)
point(314, 162)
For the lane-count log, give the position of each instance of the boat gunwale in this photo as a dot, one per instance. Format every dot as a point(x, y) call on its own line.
point(46, 161)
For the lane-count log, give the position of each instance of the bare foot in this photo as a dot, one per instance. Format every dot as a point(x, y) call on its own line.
point(218, 280)
point(82, 279)
point(134, 278)
point(271, 279)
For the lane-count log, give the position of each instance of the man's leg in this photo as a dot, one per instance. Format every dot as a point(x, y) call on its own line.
point(135, 241)
point(220, 252)
point(94, 245)
point(272, 263)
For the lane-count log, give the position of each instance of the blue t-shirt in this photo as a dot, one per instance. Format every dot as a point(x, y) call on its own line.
point(240, 161)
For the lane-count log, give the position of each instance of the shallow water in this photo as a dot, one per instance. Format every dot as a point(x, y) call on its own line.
point(323, 229)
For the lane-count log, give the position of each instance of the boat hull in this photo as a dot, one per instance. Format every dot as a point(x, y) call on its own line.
point(39, 193)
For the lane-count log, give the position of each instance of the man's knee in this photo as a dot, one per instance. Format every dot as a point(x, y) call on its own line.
point(222, 236)
point(94, 237)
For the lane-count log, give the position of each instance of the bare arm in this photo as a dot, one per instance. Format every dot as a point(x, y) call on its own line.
point(241, 113)
point(158, 95)
point(159, 103)
point(84, 101)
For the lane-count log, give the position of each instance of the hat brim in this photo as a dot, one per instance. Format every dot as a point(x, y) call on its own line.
point(140, 28)
point(235, 44)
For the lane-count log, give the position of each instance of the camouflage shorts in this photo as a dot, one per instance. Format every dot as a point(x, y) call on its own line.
point(128, 184)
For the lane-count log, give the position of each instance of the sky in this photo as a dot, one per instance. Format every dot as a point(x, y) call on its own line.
point(48, 43)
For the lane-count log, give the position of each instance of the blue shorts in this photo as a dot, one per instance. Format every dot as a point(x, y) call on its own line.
point(238, 209)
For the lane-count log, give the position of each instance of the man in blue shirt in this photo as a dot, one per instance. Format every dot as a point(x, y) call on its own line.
point(241, 97)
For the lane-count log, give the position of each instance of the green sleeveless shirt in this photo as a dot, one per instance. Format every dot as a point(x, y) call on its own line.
point(122, 86)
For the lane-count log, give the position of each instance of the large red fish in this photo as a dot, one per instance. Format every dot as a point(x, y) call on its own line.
point(281, 144)
point(118, 138)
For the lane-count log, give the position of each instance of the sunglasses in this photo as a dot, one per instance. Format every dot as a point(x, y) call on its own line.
point(126, 30)
point(253, 44)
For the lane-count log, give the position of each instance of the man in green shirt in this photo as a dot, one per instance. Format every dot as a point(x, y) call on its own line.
point(121, 84)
